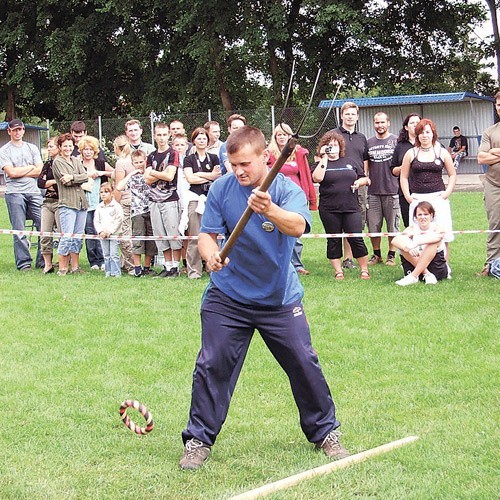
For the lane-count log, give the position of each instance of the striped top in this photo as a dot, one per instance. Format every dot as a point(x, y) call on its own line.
point(71, 195)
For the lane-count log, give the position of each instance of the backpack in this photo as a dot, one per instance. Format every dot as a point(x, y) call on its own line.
point(495, 269)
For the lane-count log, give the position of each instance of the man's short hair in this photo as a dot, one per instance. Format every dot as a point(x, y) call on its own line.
point(234, 117)
point(246, 135)
point(161, 125)
point(207, 125)
point(78, 126)
point(381, 113)
point(497, 95)
point(348, 105)
point(456, 127)
point(132, 122)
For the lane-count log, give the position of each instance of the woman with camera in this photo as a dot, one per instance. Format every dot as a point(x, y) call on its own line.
point(339, 179)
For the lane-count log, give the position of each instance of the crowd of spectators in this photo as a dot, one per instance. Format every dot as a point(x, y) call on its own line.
point(161, 191)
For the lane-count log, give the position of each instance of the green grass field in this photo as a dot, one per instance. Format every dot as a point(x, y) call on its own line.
point(419, 361)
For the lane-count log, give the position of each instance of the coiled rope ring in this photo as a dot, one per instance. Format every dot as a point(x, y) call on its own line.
point(129, 403)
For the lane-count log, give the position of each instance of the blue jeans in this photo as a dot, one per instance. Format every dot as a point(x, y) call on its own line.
point(72, 221)
point(23, 206)
point(111, 257)
point(94, 251)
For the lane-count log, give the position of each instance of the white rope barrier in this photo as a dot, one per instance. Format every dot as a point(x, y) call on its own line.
point(54, 234)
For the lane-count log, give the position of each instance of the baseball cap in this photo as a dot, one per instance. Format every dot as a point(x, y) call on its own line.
point(15, 124)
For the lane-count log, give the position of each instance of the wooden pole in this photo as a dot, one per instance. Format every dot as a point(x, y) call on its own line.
point(323, 469)
point(238, 229)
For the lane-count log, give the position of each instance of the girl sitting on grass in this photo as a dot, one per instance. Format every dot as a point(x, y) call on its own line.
point(423, 247)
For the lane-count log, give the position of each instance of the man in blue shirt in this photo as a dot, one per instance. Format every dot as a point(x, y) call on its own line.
point(256, 288)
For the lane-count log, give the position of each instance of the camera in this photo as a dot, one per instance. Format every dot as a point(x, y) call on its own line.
point(328, 150)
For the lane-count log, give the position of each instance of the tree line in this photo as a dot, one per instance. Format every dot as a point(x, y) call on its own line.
point(121, 58)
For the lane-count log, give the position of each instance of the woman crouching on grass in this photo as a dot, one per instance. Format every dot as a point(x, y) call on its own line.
point(423, 247)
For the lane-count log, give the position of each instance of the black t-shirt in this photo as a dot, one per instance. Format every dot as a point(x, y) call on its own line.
point(397, 158)
point(207, 165)
point(335, 192)
point(162, 191)
point(457, 142)
point(399, 153)
point(47, 175)
point(356, 145)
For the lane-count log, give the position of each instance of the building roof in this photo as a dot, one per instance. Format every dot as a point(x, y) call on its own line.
point(398, 100)
point(4, 126)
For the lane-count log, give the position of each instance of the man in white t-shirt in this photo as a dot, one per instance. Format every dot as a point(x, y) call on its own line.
point(21, 164)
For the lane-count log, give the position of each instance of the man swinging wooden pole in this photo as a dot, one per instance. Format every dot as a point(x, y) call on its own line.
point(285, 153)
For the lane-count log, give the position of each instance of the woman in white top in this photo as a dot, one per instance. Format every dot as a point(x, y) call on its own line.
point(422, 245)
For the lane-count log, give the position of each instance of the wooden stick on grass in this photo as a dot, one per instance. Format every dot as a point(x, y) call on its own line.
point(324, 469)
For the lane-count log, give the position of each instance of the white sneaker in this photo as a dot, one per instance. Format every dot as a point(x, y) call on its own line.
point(430, 279)
point(409, 279)
point(95, 267)
point(449, 272)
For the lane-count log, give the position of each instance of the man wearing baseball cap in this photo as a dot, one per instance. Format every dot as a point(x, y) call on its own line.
point(21, 163)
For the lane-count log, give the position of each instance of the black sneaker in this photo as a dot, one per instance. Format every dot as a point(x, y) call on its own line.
point(162, 274)
point(195, 454)
point(147, 272)
point(173, 273)
point(138, 274)
point(348, 264)
point(331, 446)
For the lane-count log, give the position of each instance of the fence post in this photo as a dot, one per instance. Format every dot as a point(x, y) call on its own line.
point(99, 125)
point(273, 124)
point(48, 129)
point(151, 125)
point(209, 115)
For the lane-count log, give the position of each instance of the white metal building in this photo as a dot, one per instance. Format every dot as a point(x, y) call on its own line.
point(471, 112)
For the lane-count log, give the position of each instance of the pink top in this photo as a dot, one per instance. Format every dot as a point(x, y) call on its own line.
point(291, 170)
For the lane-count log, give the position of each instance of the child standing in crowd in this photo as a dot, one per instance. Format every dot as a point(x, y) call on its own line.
point(181, 144)
point(139, 210)
point(108, 220)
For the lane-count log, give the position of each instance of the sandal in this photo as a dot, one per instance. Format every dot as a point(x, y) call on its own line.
point(339, 275)
point(365, 275)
